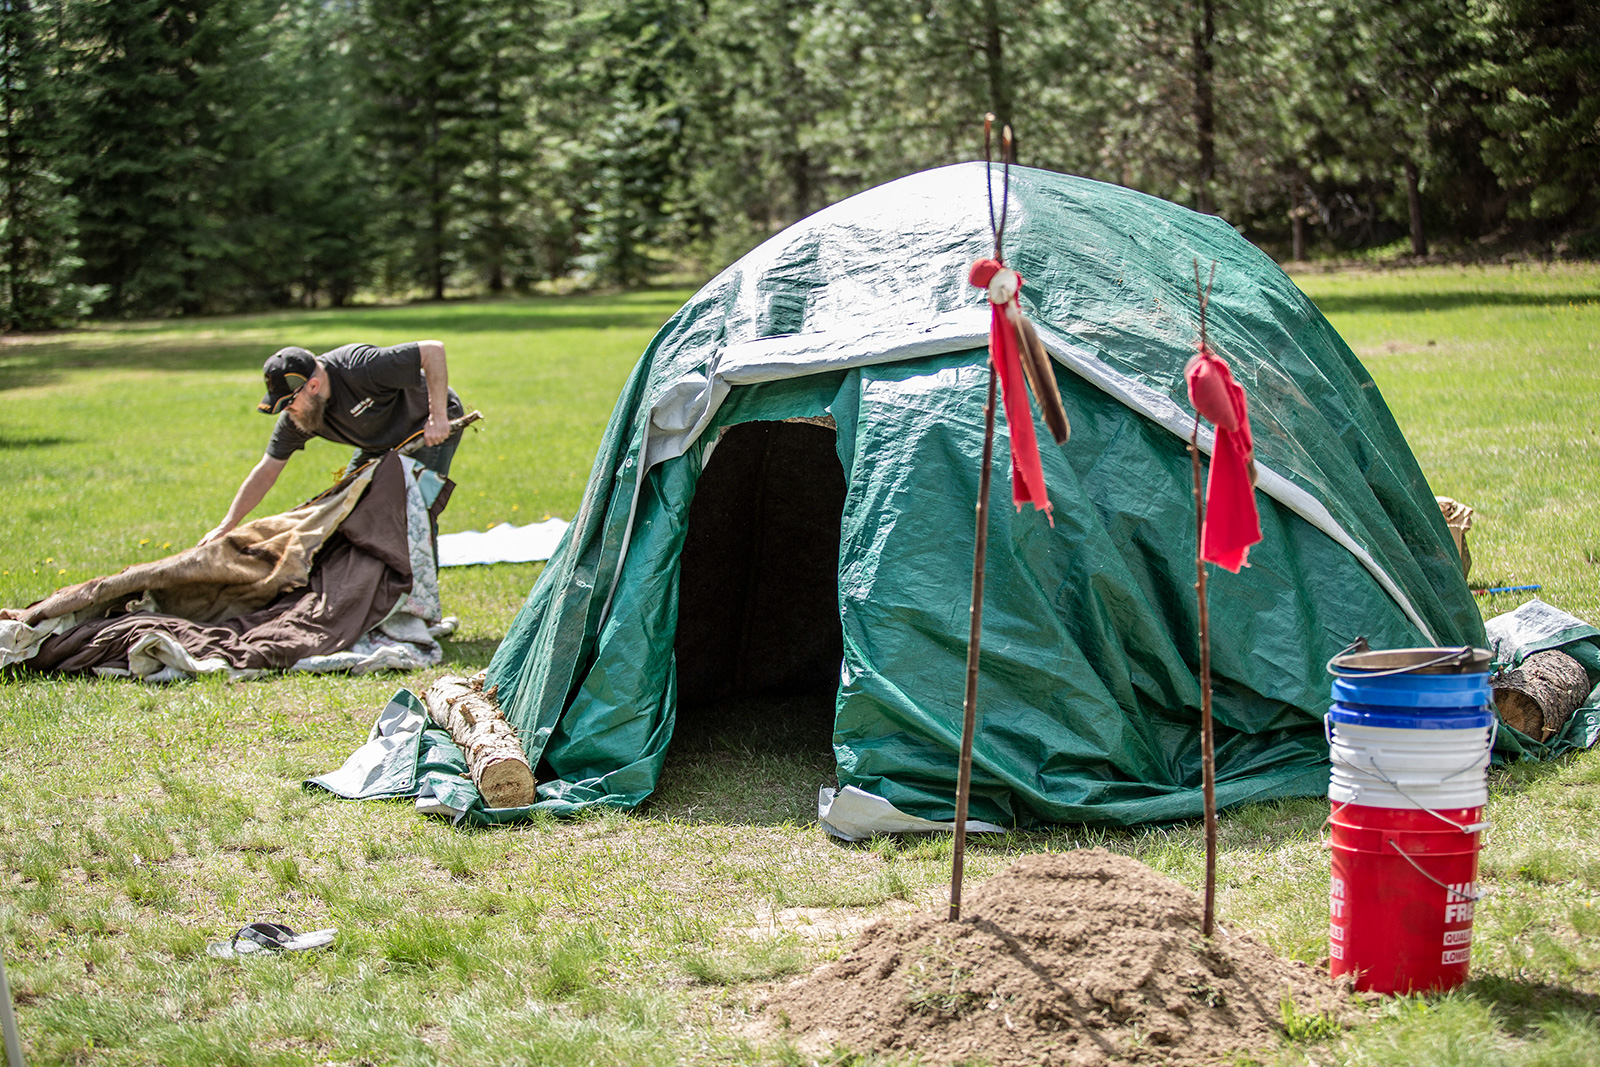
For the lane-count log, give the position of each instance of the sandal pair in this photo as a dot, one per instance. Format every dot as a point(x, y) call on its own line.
point(268, 937)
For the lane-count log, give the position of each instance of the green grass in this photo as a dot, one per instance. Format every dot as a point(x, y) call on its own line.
point(1493, 374)
point(139, 823)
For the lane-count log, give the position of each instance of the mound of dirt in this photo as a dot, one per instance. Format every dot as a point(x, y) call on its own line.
point(1074, 958)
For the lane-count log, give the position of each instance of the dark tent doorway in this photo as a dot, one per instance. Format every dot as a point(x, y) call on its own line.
point(759, 641)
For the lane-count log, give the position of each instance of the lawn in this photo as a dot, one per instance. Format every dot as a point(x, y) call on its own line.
point(138, 823)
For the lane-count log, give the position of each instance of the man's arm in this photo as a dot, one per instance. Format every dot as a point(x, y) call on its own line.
point(437, 428)
point(251, 490)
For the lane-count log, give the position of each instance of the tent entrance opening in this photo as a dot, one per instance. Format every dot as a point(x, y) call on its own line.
point(758, 594)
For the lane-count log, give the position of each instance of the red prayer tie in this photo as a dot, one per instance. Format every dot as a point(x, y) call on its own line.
point(1232, 524)
point(1027, 475)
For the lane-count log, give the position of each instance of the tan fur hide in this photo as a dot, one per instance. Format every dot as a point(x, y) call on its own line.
point(243, 570)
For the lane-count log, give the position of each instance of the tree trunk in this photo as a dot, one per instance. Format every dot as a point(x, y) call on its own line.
point(800, 182)
point(1205, 115)
point(495, 759)
point(1297, 220)
point(995, 69)
point(1419, 240)
point(496, 188)
point(11, 46)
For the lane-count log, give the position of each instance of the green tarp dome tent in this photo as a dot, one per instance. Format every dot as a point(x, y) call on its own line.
point(784, 498)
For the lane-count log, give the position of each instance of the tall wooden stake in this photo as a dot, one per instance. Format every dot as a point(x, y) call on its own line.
point(969, 718)
point(1208, 759)
point(1208, 756)
point(980, 553)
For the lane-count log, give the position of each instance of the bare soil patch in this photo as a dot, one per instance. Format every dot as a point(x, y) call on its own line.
point(1082, 957)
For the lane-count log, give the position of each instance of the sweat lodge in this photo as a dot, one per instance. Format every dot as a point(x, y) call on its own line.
point(783, 503)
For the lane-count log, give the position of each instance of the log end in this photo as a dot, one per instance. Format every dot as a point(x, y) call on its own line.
point(1540, 696)
point(506, 783)
point(1520, 711)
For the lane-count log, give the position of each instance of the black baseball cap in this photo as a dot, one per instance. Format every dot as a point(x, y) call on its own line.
point(287, 370)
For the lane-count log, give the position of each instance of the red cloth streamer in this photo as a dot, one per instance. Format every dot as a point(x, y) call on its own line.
point(1027, 475)
point(1232, 524)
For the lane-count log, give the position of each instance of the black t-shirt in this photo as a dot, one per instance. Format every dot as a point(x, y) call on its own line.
point(377, 397)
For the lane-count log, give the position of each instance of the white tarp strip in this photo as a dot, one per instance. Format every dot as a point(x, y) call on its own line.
point(501, 544)
point(686, 407)
point(855, 815)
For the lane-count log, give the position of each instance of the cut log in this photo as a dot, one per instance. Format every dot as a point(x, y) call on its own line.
point(1540, 696)
point(495, 758)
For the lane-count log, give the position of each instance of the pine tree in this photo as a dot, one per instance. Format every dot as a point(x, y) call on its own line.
point(422, 70)
point(38, 228)
point(1545, 107)
point(291, 204)
point(138, 169)
point(638, 62)
point(507, 35)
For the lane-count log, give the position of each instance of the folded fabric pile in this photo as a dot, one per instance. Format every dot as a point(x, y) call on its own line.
point(344, 582)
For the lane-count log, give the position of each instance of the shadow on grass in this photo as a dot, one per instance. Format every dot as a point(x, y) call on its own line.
point(754, 762)
point(468, 657)
point(1407, 303)
point(1257, 827)
point(488, 321)
point(46, 364)
point(42, 361)
point(11, 443)
point(1520, 775)
point(442, 320)
point(1524, 1004)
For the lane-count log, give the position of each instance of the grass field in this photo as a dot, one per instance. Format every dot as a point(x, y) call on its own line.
point(138, 823)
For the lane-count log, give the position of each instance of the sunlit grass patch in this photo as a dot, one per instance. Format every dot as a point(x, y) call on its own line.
point(649, 938)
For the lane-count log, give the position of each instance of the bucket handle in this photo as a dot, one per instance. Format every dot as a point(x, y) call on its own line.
point(1327, 842)
point(1475, 895)
point(1455, 655)
point(1468, 828)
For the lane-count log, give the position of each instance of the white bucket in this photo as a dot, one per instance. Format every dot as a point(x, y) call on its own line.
point(1383, 767)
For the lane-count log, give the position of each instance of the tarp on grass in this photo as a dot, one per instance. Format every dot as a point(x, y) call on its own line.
point(861, 317)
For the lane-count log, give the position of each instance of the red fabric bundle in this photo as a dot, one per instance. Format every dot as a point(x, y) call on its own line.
point(1232, 524)
point(1027, 475)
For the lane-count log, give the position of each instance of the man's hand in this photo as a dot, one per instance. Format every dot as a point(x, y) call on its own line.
point(436, 429)
point(213, 535)
point(251, 490)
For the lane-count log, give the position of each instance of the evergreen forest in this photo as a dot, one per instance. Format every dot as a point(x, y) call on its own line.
point(182, 157)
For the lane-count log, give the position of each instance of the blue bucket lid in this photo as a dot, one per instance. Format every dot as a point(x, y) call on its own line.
point(1413, 718)
point(1442, 691)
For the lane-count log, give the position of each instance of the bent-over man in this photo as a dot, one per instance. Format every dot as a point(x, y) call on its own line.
point(367, 397)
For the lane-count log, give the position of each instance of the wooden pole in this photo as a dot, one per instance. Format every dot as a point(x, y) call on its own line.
point(980, 545)
point(1208, 759)
point(1208, 755)
point(969, 718)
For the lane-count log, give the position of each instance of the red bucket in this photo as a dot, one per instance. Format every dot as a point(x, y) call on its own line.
point(1405, 882)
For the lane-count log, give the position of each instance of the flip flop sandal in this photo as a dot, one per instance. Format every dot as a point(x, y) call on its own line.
point(268, 937)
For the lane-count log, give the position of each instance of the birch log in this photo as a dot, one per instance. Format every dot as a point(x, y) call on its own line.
point(495, 760)
point(1540, 696)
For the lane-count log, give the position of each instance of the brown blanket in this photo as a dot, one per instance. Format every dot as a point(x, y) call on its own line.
point(350, 555)
point(244, 570)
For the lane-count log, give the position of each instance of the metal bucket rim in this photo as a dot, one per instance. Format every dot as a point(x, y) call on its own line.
point(1381, 663)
